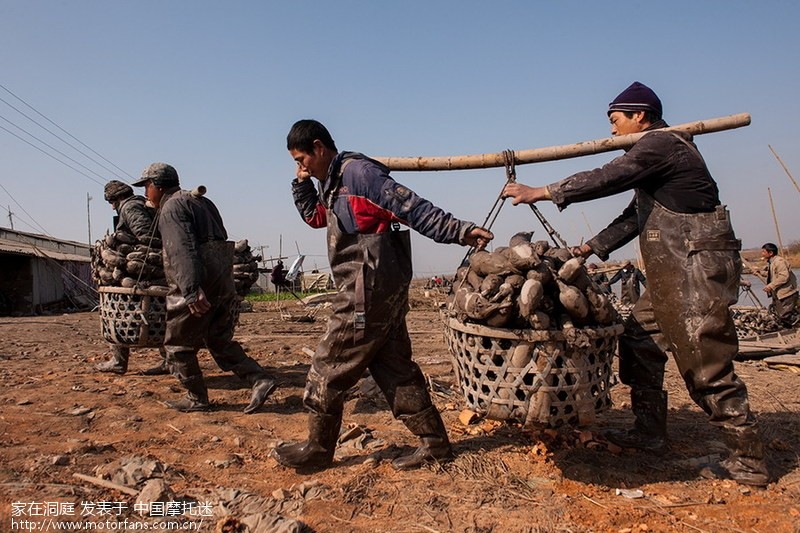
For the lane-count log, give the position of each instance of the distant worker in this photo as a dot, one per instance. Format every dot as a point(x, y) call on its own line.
point(135, 218)
point(278, 275)
point(781, 285)
point(691, 255)
point(631, 277)
point(363, 209)
point(198, 263)
point(599, 278)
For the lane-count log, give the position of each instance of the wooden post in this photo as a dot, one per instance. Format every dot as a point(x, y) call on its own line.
point(89, 217)
point(553, 153)
point(785, 169)
point(591, 233)
point(777, 228)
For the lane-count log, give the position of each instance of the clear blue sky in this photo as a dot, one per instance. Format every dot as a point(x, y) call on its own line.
point(213, 88)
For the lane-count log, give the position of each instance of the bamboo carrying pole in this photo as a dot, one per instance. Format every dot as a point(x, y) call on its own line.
point(552, 153)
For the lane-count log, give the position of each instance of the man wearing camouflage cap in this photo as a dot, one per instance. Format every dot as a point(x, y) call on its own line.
point(198, 263)
point(134, 217)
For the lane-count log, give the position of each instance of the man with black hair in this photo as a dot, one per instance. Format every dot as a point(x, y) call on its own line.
point(136, 218)
point(781, 285)
point(198, 263)
point(691, 255)
point(363, 209)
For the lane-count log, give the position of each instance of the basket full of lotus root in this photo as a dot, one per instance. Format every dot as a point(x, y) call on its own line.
point(532, 338)
point(131, 282)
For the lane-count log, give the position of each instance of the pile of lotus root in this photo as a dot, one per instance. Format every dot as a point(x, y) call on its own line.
point(120, 260)
point(528, 285)
point(751, 321)
point(245, 267)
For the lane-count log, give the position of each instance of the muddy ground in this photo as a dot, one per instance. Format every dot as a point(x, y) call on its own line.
point(58, 418)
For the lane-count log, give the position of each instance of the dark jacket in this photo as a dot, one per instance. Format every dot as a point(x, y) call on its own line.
point(186, 223)
point(665, 165)
point(136, 218)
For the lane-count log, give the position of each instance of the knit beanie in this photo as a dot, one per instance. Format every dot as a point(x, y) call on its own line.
point(637, 97)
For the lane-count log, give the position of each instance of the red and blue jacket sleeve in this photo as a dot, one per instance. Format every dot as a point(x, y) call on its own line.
point(306, 199)
point(369, 201)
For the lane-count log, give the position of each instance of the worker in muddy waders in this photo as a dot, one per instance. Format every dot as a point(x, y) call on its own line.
point(198, 264)
point(135, 218)
point(691, 256)
point(363, 209)
point(631, 279)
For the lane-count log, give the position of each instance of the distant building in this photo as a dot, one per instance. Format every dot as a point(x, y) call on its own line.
point(39, 273)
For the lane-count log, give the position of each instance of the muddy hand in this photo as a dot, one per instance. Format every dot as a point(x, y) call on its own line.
point(584, 250)
point(478, 237)
point(200, 306)
point(522, 194)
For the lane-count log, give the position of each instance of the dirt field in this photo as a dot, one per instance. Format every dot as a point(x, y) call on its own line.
point(60, 418)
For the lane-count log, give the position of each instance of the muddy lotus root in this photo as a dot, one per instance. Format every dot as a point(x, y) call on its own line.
point(529, 285)
point(245, 267)
point(119, 259)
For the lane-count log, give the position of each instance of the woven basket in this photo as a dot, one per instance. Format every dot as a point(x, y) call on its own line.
point(545, 378)
point(134, 317)
point(138, 317)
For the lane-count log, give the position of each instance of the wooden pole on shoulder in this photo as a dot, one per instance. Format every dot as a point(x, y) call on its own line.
point(552, 153)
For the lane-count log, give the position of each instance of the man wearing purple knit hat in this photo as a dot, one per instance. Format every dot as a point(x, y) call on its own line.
point(691, 257)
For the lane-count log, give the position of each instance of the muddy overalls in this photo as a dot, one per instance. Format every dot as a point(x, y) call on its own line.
point(368, 327)
point(371, 264)
point(693, 270)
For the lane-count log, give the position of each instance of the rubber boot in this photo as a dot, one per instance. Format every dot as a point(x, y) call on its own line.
point(650, 429)
point(196, 396)
point(435, 447)
point(118, 364)
point(158, 370)
point(261, 391)
point(249, 371)
point(745, 464)
point(316, 452)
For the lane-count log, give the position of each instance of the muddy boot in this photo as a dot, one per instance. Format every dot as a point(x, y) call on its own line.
point(259, 379)
point(650, 429)
point(261, 391)
point(316, 452)
point(196, 396)
point(435, 447)
point(118, 364)
point(745, 464)
point(159, 370)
